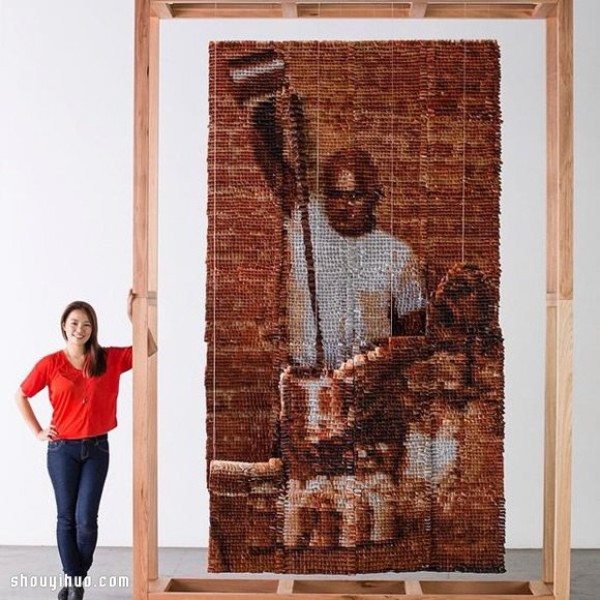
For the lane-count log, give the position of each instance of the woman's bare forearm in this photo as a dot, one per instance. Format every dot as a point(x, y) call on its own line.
point(30, 419)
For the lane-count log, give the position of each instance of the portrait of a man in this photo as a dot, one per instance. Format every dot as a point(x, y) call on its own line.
point(366, 279)
point(355, 373)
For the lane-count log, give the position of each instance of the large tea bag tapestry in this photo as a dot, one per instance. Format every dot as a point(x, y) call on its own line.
point(354, 376)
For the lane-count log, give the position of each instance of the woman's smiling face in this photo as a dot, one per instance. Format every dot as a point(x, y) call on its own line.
point(77, 327)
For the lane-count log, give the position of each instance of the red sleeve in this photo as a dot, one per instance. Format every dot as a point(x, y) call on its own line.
point(38, 379)
point(122, 358)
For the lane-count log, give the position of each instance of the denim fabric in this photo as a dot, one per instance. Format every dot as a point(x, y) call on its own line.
point(78, 470)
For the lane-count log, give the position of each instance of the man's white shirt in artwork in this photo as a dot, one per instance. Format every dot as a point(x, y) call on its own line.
point(359, 281)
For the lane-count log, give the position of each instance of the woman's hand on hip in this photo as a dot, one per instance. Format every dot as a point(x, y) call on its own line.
point(47, 435)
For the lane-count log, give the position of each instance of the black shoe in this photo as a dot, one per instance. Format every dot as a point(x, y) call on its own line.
point(63, 594)
point(75, 592)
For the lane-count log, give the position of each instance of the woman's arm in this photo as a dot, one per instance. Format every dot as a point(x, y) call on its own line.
point(152, 347)
point(26, 411)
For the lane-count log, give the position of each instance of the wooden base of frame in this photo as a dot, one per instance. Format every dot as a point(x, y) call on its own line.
point(331, 589)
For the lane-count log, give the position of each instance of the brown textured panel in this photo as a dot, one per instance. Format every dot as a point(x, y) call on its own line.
point(373, 440)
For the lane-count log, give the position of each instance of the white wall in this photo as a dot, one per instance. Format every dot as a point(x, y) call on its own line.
point(66, 73)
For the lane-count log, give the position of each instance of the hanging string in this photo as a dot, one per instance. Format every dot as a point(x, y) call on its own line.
point(318, 163)
point(424, 154)
point(319, 345)
point(393, 151)
point(214, 252)
point(464, 140)
point(319, 338)
point(351, 333)
point(464, 150)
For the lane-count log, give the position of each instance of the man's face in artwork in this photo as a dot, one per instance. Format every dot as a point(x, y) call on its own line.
point(351, 193)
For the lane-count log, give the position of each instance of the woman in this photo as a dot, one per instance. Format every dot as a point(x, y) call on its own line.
point(83, 383)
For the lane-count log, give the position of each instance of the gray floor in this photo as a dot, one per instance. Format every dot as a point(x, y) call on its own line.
point(31, 573)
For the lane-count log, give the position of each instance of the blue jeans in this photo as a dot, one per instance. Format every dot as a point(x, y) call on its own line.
point(78, 470)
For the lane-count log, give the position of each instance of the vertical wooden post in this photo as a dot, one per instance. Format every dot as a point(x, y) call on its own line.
point(145, 254)
point(559, 331)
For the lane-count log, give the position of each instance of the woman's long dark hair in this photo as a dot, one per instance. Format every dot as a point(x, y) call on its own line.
point(95, 356)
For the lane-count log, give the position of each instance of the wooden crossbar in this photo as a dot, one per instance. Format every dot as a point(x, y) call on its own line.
point(218, 588)
point(418, 9)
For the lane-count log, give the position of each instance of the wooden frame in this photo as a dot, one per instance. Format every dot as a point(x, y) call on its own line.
point(555, 577)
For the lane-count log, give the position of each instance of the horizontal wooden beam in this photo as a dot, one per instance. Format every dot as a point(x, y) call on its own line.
point(457, 10)
point(356, 10)
point(229, 11)
point(489, 2)
point(466, 3)
point(436, 9)
point(218, 588)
